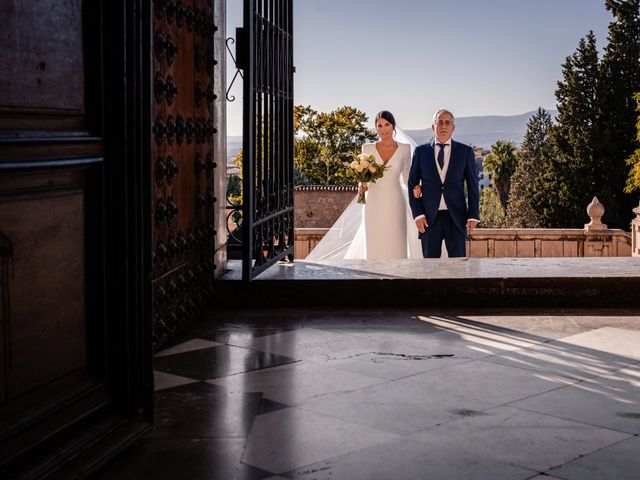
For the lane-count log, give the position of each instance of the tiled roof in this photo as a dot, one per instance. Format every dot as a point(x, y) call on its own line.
point(327, 188)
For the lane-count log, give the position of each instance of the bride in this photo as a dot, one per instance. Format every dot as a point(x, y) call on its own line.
point(383, 228)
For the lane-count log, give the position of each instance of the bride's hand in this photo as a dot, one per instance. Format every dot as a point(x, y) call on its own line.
point(417, 191)
point(362, 188)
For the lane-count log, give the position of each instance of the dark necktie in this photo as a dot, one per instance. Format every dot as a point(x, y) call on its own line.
point(441, 155)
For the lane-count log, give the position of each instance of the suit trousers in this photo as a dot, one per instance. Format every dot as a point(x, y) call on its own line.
point(443, 228)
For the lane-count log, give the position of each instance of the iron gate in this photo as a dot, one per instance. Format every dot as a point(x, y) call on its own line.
point(267, 61)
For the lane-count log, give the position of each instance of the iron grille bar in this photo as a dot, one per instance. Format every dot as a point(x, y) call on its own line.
point(273, 216)
point(268, 135)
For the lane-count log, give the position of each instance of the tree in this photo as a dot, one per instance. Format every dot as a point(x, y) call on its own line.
point(491, 211)
point(594, 135)
point(502, 162)
point(620, 80)
point(325, 141)
point(570, 181)
point(633, 180)
point(527, 180)
point(234, 187)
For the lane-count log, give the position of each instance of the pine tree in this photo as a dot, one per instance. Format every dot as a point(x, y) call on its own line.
point(526, 182)
point(620, 80)
point(570, 177)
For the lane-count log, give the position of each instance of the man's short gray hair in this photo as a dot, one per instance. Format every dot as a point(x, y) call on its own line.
point(441, 111)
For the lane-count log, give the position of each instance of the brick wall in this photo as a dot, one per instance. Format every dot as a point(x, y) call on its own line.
point(319, 206)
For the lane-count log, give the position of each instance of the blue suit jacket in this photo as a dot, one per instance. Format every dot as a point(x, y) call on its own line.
point(461, 171)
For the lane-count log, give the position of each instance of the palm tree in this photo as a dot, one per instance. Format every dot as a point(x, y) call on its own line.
point(502, 162)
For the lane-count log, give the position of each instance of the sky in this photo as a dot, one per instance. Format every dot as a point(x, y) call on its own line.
point(473, 57)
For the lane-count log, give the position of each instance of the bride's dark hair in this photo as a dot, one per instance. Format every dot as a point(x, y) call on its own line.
point(388, 116)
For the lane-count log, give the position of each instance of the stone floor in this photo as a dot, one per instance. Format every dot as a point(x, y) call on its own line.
point(396, 394)
point(479, 282)
point(477, 269)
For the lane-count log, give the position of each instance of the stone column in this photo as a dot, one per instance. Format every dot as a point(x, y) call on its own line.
point(220, 139)
point(635, 233)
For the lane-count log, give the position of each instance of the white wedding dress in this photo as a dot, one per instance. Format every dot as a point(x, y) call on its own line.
point(385, 220)
point(383, 228)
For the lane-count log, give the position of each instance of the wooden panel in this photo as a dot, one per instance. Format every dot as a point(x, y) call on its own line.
point(47, 334)
point(42, 55)
point(6, 255)
point(49, 149)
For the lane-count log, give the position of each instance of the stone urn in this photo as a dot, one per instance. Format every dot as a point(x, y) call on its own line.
point(595, 210)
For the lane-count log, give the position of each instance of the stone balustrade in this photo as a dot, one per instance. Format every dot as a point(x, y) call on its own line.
point(518, 242)
point(594, 240)
point(305, 240)
point(548, 242)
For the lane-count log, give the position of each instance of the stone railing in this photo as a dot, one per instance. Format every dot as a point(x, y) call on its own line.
point(635, 233)
point(305, 240)
point(548, 242)
point(519, 242)
point(594, 240)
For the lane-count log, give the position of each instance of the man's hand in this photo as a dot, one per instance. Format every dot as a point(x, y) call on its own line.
point(421, 223)
point(471, 224)
point(417, 191)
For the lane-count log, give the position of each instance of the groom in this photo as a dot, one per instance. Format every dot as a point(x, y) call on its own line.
point(443, 169)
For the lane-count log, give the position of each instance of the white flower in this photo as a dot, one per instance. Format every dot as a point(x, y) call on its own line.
point(359, 168)
point(363, 156)
point(372, 168)
point(365, 163)
point(353, 164)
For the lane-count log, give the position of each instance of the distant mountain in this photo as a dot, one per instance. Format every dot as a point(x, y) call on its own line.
point(483, 131)
point(234, 144)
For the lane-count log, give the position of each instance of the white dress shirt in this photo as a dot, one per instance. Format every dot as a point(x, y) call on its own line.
point(442, 171)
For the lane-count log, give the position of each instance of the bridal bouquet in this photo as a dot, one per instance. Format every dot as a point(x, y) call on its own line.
point(365, 169)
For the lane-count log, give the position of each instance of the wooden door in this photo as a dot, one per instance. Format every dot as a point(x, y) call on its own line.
point(184, 163)
point(74, 366)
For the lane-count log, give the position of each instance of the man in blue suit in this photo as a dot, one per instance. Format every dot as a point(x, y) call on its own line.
point(442, 169)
